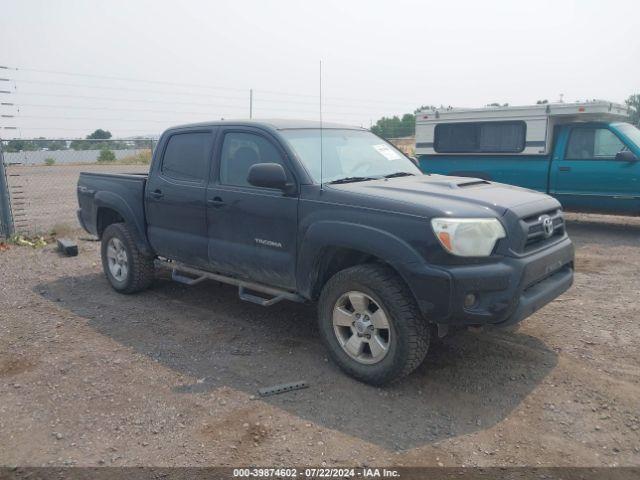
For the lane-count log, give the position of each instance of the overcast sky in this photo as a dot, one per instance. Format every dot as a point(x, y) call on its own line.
point(379, 58)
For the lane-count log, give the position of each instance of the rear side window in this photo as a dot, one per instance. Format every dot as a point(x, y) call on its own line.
point(480, 137)
point(186, 156)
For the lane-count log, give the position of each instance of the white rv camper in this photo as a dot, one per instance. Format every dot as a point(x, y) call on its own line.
point(538, 122)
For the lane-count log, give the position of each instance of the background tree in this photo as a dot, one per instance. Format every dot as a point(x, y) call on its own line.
point(40, 143)
point(57, 145)
point(633, 102)
point(542, 102)
point(99, 134)
point(394, 127)
point(91, 144)
point(21, 146)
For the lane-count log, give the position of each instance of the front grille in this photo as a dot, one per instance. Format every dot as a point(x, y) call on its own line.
point(535, 236)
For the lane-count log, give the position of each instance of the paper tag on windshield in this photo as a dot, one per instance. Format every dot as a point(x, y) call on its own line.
point(387, 152)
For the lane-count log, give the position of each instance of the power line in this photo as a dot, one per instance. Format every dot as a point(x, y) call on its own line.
point(99, 119)
point(266, 100)
point(210, 87)
point(164, 92)
point(123, 79)
point(125, 89)
point(239, 107)
point(93, 97)
point(66, 129)
point(170, 120)
point(78, 107)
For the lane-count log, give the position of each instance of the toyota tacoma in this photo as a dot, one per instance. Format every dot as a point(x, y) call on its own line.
point(295, 210)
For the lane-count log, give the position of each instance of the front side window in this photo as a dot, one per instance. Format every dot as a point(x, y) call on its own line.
point(480, 137)
point(346, 153)
point(593, 144)
point(240, 151)
point(186, 156)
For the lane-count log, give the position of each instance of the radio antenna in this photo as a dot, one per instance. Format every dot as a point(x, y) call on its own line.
point(321, 163)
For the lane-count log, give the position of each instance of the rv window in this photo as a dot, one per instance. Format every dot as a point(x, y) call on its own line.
point(502, 137)
point(456, 138)
point(481, 137)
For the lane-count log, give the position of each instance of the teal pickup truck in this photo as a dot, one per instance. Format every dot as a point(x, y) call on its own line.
point(584, 154)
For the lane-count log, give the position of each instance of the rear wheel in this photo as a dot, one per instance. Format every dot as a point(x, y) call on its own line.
point(371, 324)
point(127, 269)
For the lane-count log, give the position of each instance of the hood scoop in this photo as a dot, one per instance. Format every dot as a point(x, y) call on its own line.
point(470, 183)
point(456, 182)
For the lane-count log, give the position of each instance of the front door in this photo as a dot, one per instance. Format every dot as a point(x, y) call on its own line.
point(252, 231)
point(587, 176)
point(176, 197)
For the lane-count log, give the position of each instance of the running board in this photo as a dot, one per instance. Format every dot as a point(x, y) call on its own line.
point(177, 277)
point(265, 302)
point(179, 270)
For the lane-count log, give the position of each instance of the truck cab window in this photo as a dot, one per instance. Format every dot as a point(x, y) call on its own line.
point(240, 151)
point(185, 157)
point(593, 143)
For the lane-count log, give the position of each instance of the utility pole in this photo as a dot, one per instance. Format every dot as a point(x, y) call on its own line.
point(251, 103)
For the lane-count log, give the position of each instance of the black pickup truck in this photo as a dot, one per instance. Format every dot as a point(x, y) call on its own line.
point(286, 210)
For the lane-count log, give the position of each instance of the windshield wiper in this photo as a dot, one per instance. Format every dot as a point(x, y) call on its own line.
point(399, 174)
point(352, 179)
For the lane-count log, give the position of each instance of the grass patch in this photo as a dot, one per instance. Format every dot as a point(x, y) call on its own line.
point(142, 157)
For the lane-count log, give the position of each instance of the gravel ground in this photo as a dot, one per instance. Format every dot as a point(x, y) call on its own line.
point(169, 377)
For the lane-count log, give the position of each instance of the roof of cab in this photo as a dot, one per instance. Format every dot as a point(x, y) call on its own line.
point(273, 124)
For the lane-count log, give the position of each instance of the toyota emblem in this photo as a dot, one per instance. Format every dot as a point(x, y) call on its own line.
point(547, 225)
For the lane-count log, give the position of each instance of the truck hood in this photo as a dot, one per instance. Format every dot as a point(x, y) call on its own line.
point(445, 193)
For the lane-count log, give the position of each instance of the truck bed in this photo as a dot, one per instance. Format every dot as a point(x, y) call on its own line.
point(125, 189)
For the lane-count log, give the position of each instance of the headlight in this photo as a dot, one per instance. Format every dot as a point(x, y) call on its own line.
point(468, 237)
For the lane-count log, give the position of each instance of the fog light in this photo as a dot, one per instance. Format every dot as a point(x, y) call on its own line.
point(470, 300)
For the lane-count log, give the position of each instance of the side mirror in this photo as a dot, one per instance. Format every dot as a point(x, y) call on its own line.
point(415, 161)
point(626, 156)
point(268, 175)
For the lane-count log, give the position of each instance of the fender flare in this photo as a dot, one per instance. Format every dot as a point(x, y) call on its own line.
point(118, 204)
point(336, 234)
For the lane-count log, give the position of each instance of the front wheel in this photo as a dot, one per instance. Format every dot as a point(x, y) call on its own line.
point(127, 269)
point(371, 324)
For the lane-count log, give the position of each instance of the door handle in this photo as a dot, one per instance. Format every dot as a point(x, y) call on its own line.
point(564, 169)
point(216, 202)
point(157, 194)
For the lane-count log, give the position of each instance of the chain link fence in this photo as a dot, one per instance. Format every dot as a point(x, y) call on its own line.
point(40, 178)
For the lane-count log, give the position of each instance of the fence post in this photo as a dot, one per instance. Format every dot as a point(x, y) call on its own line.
point(6, 217)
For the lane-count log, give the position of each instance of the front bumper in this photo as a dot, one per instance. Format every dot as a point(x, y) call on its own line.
point(507, 290)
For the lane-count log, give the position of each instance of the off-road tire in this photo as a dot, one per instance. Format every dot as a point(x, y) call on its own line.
point(410, 332)
point(141, 268)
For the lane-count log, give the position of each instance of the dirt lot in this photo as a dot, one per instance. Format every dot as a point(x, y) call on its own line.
point(169, 377)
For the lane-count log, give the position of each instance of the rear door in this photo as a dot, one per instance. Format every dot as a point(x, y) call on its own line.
point(252, 231)
point(175, 196)
point(585, 174)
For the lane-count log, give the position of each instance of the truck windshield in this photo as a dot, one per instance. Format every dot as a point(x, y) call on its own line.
point(347, 154)
point(630, 131)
